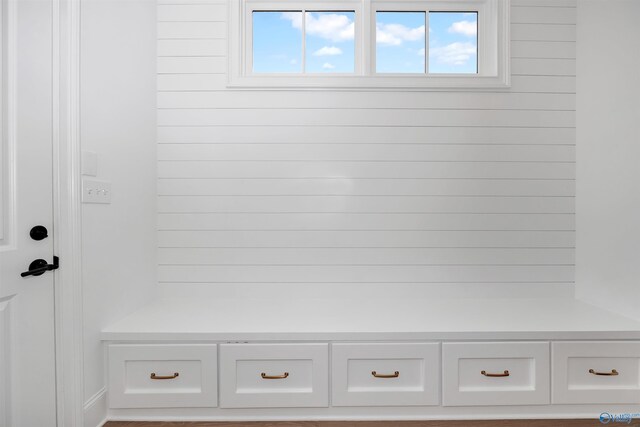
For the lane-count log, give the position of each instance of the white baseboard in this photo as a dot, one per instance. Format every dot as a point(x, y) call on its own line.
point(95, 409)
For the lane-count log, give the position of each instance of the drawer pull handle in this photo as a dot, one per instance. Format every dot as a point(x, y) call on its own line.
point(274, 377)
point(396, 374)
point(153, 376)
point(607, 374)
point(487, 374)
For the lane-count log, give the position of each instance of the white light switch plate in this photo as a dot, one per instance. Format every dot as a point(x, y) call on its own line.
point(96, 191)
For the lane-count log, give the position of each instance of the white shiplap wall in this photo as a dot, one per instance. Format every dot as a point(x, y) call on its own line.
point(467, 191)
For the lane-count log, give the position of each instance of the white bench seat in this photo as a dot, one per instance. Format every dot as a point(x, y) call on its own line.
point(187, 319)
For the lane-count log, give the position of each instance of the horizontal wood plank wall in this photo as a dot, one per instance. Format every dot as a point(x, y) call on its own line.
point(450, 188)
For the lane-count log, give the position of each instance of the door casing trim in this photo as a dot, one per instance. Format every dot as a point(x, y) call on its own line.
point(8, 49)
point(67, 215)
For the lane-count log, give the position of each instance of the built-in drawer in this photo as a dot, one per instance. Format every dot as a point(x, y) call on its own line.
point(274, 375)
point(398, 374)
point(162, 376)
point(596, 372)
point(515, 373)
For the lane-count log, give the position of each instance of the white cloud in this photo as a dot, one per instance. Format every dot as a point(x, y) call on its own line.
point(421, 52)
point(467, 28)
point(293, 62)
point(395, 34)
point(328, 51)
point(328, 66)
point(294, 17)
point(453, 54)
point(332, 26)
point(329, 26)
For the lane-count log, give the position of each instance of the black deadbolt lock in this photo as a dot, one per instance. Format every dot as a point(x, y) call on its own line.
point(39, 232)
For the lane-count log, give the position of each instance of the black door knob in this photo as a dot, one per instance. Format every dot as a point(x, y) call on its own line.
point(41, 266)
point(39, 232)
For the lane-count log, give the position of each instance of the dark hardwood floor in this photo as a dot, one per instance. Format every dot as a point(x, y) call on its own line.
point(486, 423)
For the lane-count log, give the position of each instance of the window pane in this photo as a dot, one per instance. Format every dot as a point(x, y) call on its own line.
point(277, 42)
point(453, 42)
point(330, 46)
point(400, 42)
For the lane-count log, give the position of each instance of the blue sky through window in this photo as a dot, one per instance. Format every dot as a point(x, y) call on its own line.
point(330, 44)
point(400, 42)
point(453, 42)
point(277, 44)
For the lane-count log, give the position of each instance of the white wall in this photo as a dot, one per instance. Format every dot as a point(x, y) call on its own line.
point(608, 191)
point(324, 191)
point(117, 122)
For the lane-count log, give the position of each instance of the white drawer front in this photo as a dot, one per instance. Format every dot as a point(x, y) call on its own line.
point(385, 374)
point(274, 375)
point(495, 373)
point(162, 376)
point(596, 372)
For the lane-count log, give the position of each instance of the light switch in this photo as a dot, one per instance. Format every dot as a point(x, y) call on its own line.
point(96, 191)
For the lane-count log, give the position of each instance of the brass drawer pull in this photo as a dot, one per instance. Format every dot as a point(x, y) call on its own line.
point(487, 374)
point(606, 374)
point(153, 376)
point(396, 374)
point(274, 377)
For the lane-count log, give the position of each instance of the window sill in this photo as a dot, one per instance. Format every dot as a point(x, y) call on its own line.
point(378, 82)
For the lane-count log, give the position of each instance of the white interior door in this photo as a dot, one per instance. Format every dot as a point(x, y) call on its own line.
point(27, 352)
